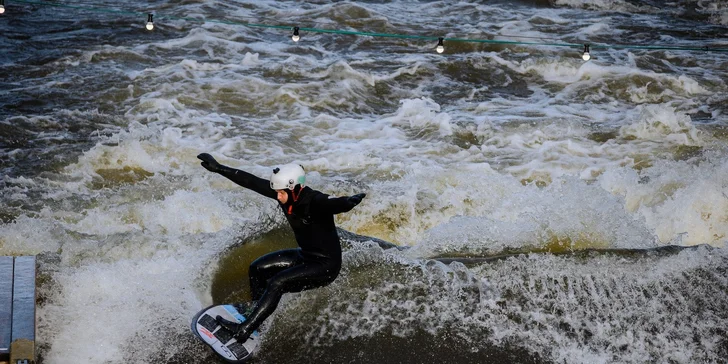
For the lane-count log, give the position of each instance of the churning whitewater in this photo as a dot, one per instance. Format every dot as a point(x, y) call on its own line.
point(545, 209)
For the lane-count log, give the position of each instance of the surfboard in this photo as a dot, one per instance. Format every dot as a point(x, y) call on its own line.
point(205, 327)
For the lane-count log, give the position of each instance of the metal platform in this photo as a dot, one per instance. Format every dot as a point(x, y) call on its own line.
point(17, 310)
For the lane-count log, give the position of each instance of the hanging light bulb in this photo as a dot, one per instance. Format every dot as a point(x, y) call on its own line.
point(295, 36)
point(440, 45)
point(2, 6)
point(150, 22)
point(586, 56)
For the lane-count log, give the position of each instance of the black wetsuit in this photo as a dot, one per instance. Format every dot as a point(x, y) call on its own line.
point(315, 264)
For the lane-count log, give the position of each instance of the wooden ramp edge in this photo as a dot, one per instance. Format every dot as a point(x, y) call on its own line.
point(17, 309)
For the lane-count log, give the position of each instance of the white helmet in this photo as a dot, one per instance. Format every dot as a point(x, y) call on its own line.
point(287, 177)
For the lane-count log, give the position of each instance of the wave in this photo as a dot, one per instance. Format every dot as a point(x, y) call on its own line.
point(703, 10)
point(594, 305)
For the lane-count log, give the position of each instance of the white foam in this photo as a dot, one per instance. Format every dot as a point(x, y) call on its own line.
point(568, 210)
point(662, 123)
point(718, 10)
point(29, 235)
point(564, 308)
point(682, 202)
point(142, 268)
point(117, 304)
point(589, 74)
point(616, 5)
point(203, 213)
point(421, 113)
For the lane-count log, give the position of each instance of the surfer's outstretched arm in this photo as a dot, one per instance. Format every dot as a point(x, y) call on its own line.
point(242, 178)
point(337, 205)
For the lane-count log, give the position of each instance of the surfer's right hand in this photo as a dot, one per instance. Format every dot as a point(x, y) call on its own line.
point(209, 162)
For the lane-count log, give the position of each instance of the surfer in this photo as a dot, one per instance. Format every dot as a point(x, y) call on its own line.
point(317, 261)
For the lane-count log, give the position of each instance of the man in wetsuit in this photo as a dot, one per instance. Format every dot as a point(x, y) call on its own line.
point(316, 262)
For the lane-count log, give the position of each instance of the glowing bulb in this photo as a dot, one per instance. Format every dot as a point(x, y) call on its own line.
point(2, 6)
point(586, 56)
point(440, 45)
point(150, 22)
point(295, 36)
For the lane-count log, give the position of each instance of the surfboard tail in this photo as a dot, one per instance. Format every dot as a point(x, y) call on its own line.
point(206, 328)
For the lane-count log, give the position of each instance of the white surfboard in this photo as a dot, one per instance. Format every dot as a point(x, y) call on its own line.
point(221, 340)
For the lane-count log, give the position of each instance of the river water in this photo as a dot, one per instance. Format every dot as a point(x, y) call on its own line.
point(585, 203)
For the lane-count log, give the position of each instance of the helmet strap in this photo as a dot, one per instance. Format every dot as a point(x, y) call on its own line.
point(294, 194)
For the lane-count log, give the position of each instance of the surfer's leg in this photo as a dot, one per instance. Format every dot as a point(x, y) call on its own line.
point(298, 278)
point(261, 271)
point(267, 266)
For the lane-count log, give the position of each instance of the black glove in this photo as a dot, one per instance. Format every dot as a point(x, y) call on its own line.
point(209, 162)
point(356, 199)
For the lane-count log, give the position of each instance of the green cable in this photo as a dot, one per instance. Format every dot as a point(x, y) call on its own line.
point(379, 35)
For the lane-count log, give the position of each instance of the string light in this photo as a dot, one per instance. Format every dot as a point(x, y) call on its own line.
point(295, 36)
point(150, 22)
point(2, 6)
point(440, 45)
